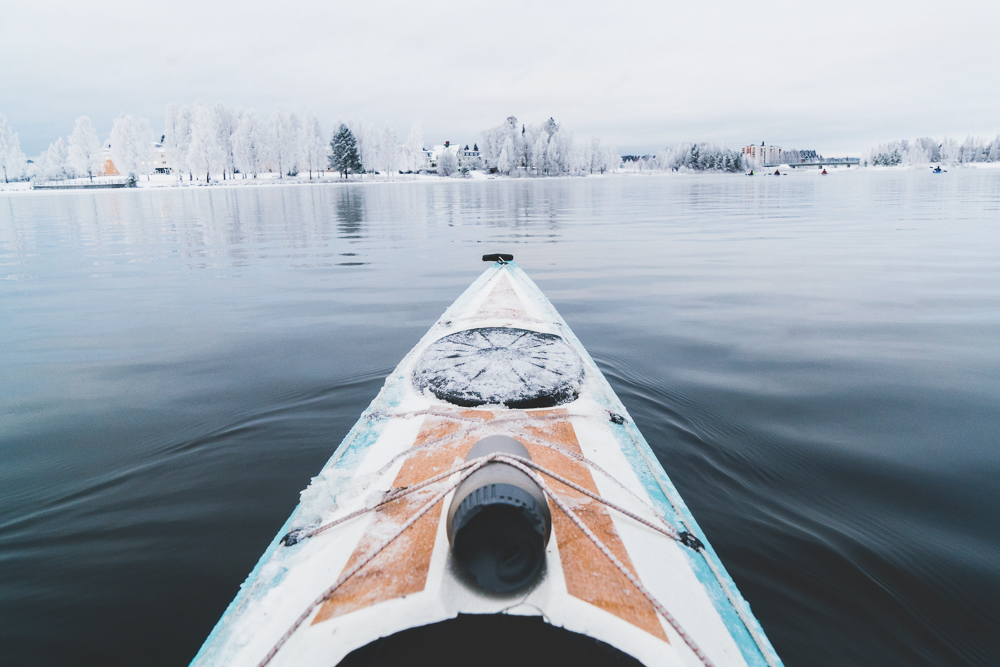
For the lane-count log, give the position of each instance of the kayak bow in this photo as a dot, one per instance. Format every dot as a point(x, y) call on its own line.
point(495, 482)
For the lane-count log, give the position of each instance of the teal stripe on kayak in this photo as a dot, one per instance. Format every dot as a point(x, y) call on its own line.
point(362, 436)
point(365, 432)
point(630, 439)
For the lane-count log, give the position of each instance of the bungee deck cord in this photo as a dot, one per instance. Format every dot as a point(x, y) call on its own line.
point(466, 469)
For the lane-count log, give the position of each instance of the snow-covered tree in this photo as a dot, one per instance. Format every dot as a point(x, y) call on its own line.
point(930, 148)
point(917, 155)
point(593, 156)
point(367, 138)
point(84, 148)
point(224, 121)
point(38, 169)
point(927, 150)
point(542, 150)
point(539, 153)
point(524, 146)
point(414, 149)
point(248, 144)
point(612, 160)
point(12, 160)
point(177, 138)
point(170, 118)
point(507, 135)
point(56, 161)
point(447, 162)
point(344, 152)
point(281, 146)
point(203, 155)
point(504, 163)
point(552, 152)
point(313, 147)
point(294, 144)
point(697, 156)
point(388, 155)
point(949, 150)
point(132, 146)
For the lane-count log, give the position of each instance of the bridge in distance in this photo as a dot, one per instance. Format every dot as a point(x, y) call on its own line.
point(819, 163)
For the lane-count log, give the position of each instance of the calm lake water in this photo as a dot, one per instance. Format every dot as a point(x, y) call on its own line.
point(815, 360)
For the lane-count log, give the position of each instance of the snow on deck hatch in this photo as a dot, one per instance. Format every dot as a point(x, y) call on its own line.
point(501, 365)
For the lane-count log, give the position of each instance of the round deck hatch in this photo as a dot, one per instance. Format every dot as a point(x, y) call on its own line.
point(501, 365)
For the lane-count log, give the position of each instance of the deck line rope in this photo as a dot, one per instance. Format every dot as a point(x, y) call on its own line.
point(388, 498)
point(665, 527)
point(762, 644)
point(740, 607)
point(660, 609)
point(354, 570)
point(535, 441)
point(466, 469)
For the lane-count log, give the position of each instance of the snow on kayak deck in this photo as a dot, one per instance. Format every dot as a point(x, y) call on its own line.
point(439, 401)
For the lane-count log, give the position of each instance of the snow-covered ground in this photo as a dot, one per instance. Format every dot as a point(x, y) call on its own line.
point(172, 181)
point(269, 179)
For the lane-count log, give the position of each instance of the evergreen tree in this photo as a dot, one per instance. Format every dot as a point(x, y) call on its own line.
point(344, 152)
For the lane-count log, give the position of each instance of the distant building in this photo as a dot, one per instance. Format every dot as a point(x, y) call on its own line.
point(108, 167)
point(763, 154)
point(470, 158)
point(158, 163)
point(425, 160)
point(437, 150)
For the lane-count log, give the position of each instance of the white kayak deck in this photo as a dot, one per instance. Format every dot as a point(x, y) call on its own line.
point(408, 435)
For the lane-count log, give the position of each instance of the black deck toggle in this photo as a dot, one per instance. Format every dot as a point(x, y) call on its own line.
point(293, 537)
point(498, 257)
point(690, 541)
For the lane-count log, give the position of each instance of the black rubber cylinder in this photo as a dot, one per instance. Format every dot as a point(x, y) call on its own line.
point(499, 521)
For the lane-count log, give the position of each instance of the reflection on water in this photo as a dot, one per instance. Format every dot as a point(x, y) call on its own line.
point(814, 361)
point(226, 228)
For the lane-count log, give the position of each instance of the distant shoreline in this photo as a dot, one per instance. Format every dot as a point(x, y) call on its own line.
point(170, 182)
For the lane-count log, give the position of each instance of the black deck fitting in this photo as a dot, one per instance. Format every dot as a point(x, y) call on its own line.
point(690, 541)
point(498, 257)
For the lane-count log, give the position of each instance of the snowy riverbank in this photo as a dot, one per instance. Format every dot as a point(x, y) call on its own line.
point(161, 181)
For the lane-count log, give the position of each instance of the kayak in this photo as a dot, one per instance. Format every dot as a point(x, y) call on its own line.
point(495, 504)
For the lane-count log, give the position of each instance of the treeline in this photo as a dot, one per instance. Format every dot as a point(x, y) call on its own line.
point(514, 148)
point(927, 150)
point(227, 141)
point(794, 155)
point(204, 143)
point(689, 156)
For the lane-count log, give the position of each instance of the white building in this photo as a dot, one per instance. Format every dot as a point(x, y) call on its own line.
point(762, 154)
point(437, 150)
point(469, 158)
point(158, 161)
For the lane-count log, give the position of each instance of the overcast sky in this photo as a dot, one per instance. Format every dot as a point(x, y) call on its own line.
point(833, 76)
